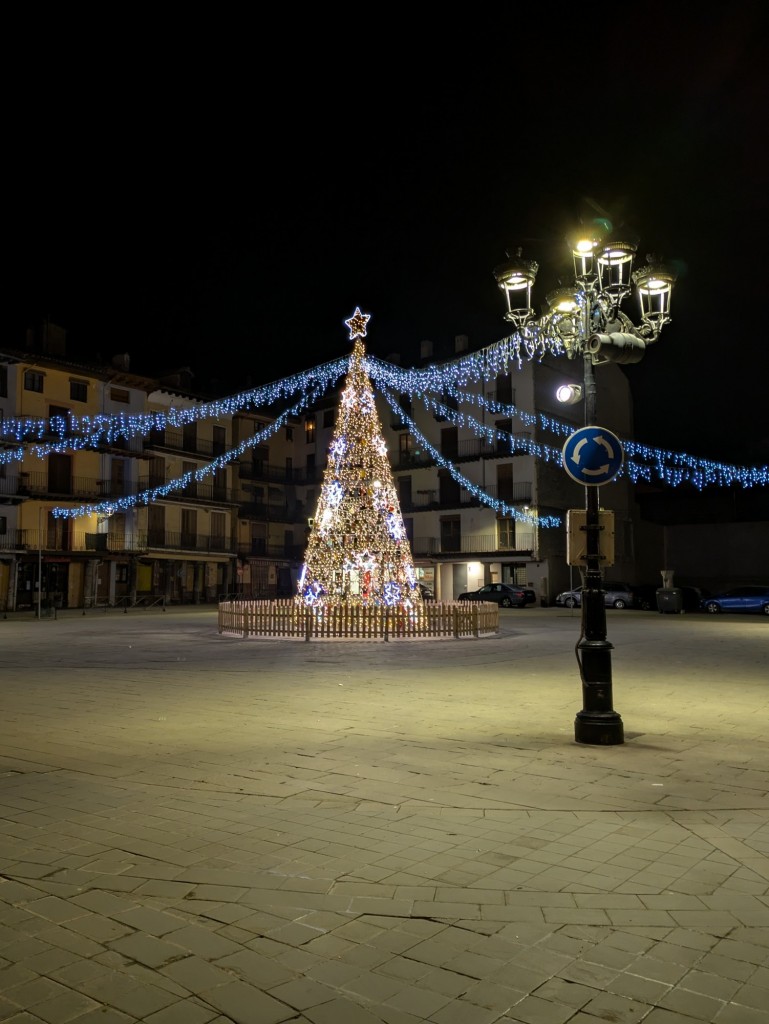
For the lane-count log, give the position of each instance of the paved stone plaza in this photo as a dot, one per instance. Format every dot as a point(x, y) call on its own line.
point(198, 829)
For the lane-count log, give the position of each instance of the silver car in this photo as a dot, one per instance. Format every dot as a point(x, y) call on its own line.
point(615, 595)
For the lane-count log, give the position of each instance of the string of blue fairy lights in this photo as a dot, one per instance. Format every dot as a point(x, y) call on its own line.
point(478, 492)
point(642, 462)
point(76, 433)
point(430, 384)
point(126, 502)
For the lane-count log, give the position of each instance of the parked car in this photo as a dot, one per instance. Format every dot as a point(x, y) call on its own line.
point(738, 599)
point(505, 594)
point(426, 592)
point(615, 595)
point(531, 595)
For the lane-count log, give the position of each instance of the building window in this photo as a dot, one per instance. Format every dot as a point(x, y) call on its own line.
point(328, 418)
point(3, 381)
point(119, 395)
point(505, 394)
point(190, 437)
point(289, 433)
point(405, 446)
point(59, 420)
point(157, 471)
point(78, 390)
point(3, 525)
point(504, 436)
point(449, 442)
point(188, 470)
point(33, 381)
point(506, 532)
point(217, 530)
point(451, 533)
point(505, 489)
point(118, 477)
point(404, 491)
point(220, 441)
point(219, 485)
point(309, 430)
point(189, 528)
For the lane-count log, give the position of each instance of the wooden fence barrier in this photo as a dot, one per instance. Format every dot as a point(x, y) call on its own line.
point(288, 620)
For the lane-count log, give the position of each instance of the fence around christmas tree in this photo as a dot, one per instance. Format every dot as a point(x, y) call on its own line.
point(288, 620)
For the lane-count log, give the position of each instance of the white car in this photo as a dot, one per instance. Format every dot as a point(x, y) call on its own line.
point(615, 595)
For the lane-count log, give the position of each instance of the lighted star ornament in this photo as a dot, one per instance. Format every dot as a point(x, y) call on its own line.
point(358, 552)
point(357, 324)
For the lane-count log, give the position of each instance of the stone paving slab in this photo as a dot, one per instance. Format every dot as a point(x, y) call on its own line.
point(199, 828)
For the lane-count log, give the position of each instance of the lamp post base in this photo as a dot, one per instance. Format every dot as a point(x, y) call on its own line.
point(597, 722)
point(598, 729)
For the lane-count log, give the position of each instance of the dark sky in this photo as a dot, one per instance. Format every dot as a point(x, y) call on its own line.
point(222, 196)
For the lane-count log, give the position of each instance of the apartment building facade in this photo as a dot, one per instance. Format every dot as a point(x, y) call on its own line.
point(177, 547)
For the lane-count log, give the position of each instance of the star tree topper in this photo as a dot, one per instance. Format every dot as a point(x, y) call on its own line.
point(357, 323)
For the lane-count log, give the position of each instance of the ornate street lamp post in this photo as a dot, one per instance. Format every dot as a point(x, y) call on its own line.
point(586, 322)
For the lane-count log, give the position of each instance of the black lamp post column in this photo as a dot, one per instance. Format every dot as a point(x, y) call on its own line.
point(597, 722)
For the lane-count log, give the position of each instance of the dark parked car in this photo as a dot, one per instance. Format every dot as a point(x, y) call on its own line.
point(739, 599)
point(427, 594)
point(505, 594)
point(615, 595)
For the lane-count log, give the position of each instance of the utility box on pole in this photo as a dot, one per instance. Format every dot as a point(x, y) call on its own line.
point(576, 537)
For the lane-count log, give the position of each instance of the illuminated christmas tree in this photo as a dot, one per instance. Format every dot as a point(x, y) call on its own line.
point(358, 552)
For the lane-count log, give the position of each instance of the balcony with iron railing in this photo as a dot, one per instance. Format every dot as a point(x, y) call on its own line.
point(261, 549)
point(447, 496)
point(119, 445)
point(511, 493)
point(406, 460)
point(447, 402)
point(288, 475)
point(44, 485)
point(206, 491)
point(176, 441)
point(438, 498)
point(188, 541)
point(117, 542)
point(484, 544)
point(503, 396)
point(273, 512)
point(81, 488)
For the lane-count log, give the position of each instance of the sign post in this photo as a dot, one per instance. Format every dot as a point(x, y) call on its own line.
point(593, 456)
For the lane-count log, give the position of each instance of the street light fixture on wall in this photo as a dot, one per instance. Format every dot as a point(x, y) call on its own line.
point(584, 318)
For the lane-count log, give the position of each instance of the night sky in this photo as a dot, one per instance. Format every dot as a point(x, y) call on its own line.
point(223, 199)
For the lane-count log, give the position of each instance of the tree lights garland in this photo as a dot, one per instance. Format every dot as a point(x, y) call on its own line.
point(358, 553)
